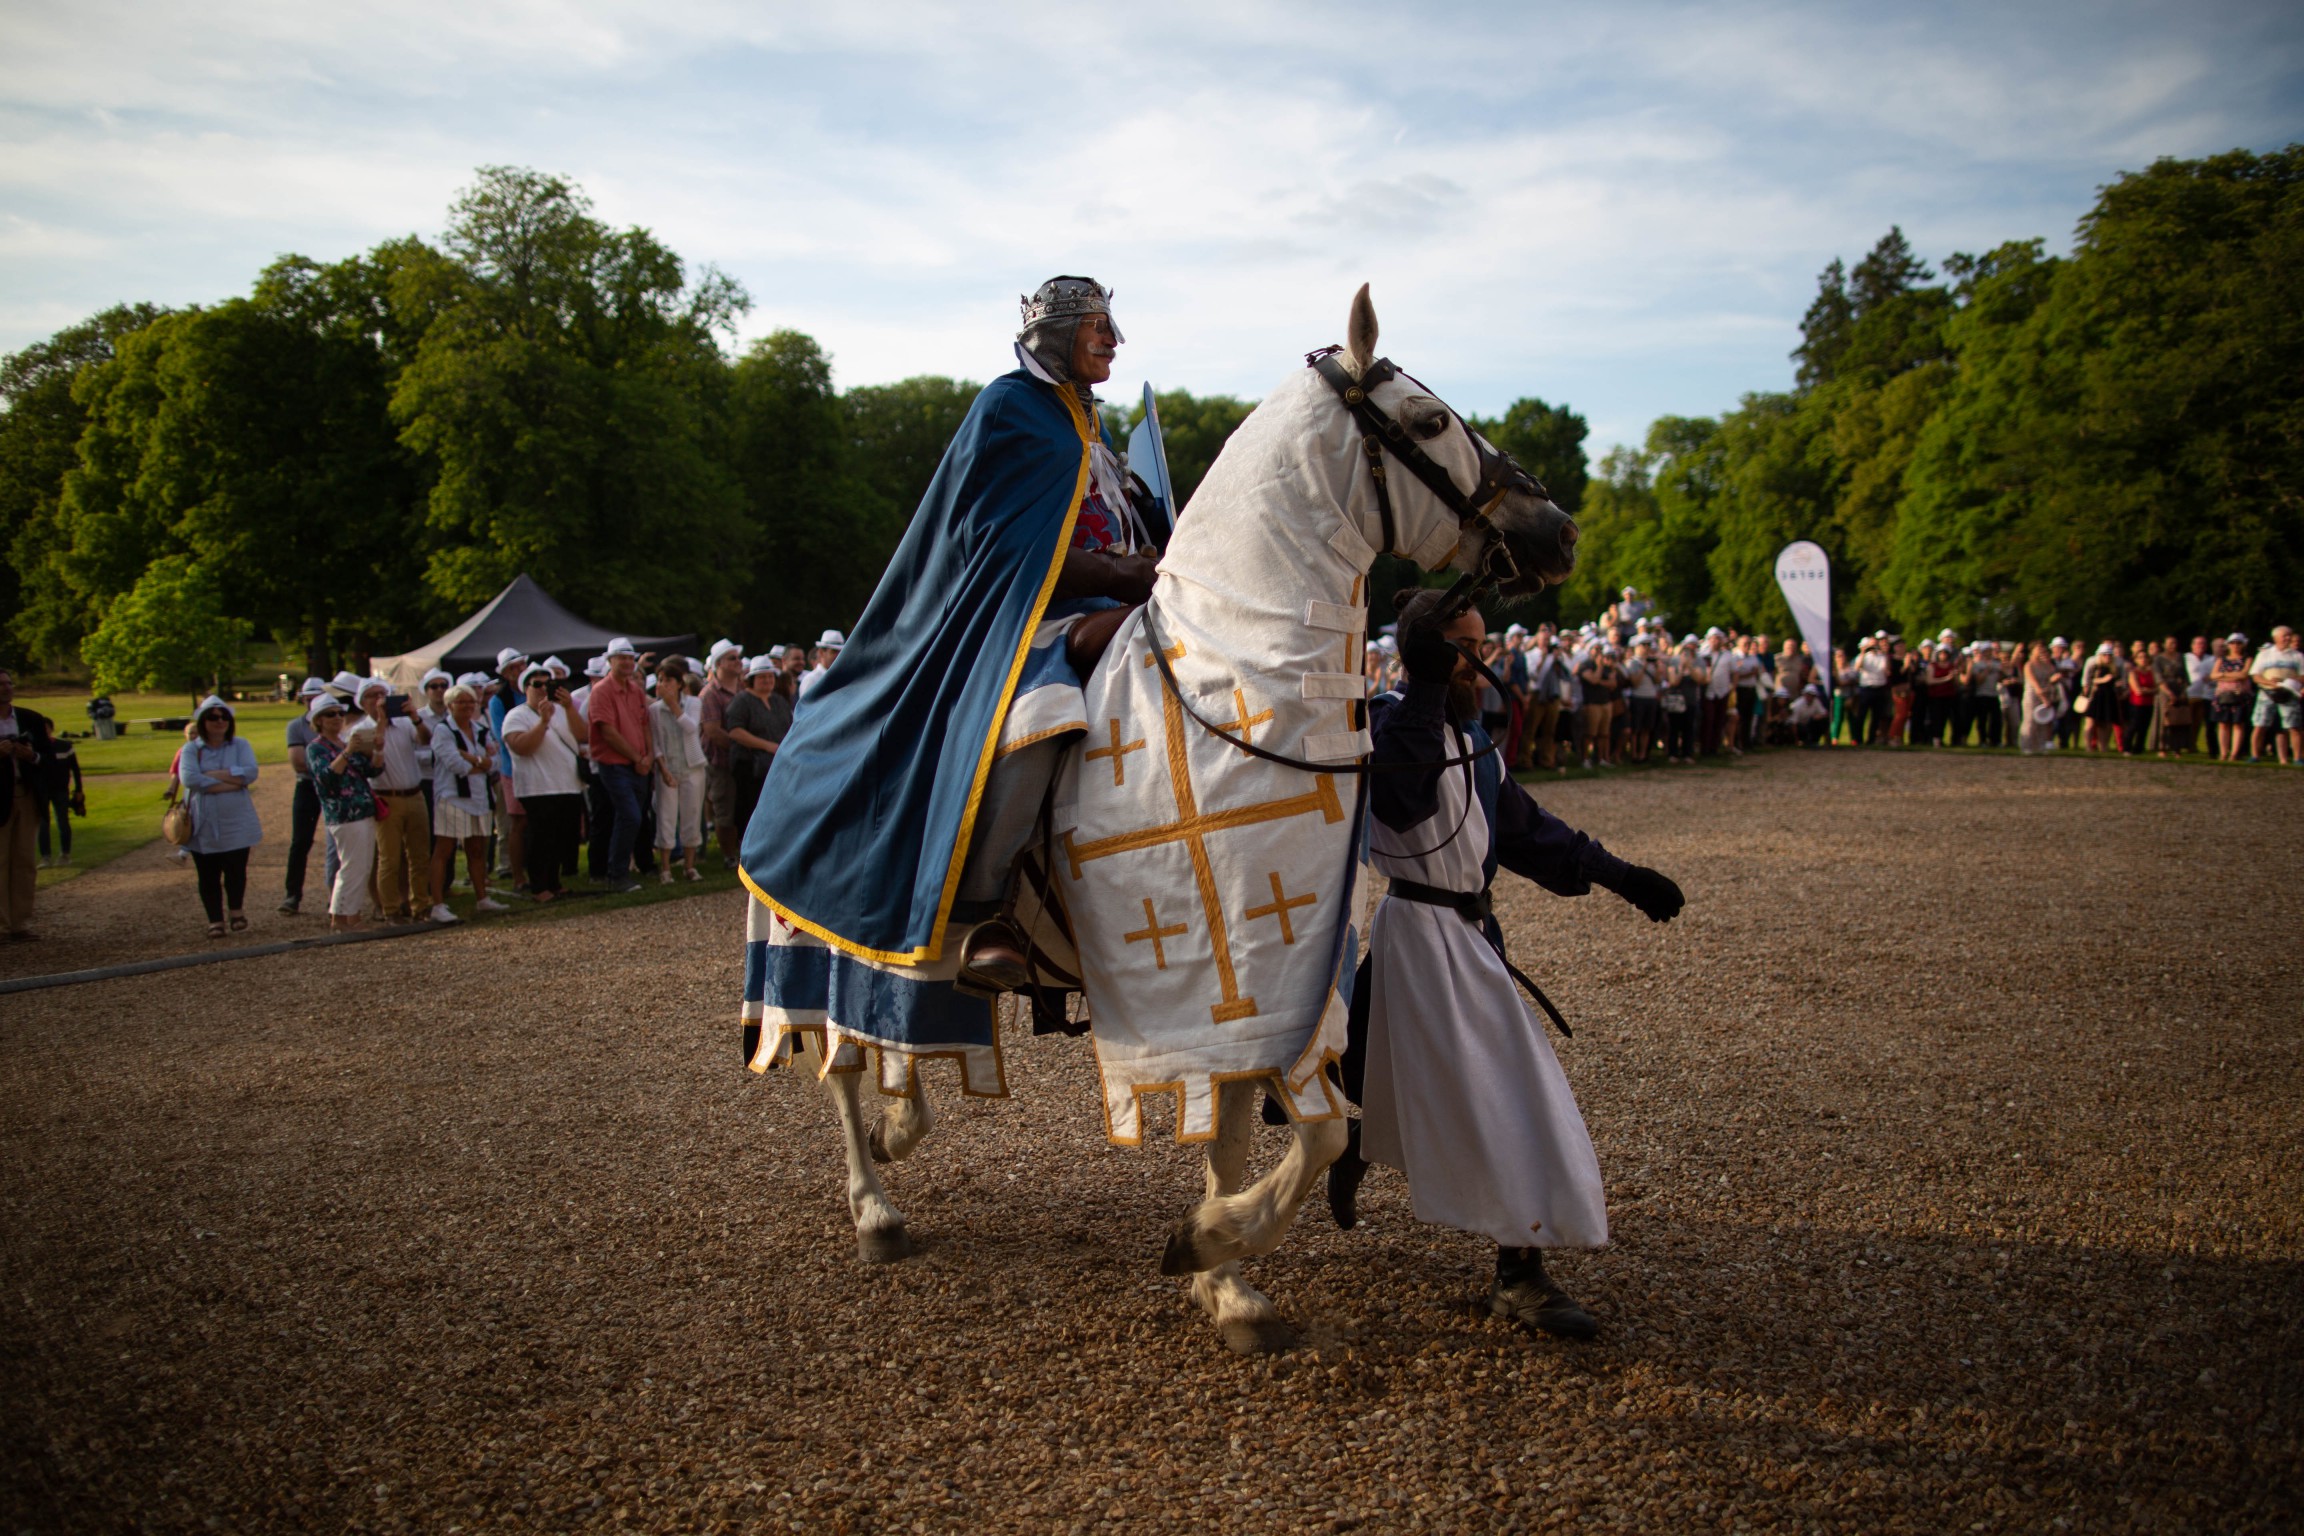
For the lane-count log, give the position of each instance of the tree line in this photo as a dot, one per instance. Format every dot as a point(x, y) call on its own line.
point(352, 457)
point(2110, 443)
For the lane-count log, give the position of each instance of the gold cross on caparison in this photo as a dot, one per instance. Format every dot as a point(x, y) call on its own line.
point(1281, 902)
point(1243, 724)
point(1118, 752)
point(1153, 931)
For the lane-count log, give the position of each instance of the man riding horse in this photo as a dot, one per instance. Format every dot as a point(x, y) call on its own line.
point(916, 769)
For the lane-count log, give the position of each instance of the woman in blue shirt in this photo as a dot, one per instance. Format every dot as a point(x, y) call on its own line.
point(216, 768)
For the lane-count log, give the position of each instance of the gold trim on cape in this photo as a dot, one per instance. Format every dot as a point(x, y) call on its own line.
point(933, 950)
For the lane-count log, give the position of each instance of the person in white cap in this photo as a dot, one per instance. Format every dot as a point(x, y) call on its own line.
point(403, 823)
point(676, 736)
point(504, 696)
point(341, 765)
point(216, 768)
point(1874, 674)
point(622, 758)
point(462, 751)
point(434, 684)
point(724, 680)
point(2278, 672)
point(828, 647)
point(543, 735)
point(756, 720)
point(304, 805)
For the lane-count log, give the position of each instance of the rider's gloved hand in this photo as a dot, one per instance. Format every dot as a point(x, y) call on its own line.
point(1652, 891)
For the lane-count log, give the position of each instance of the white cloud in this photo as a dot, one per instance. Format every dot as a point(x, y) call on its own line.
point(1625, 208)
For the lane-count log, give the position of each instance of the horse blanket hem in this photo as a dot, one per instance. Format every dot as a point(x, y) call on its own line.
point(895, 1070)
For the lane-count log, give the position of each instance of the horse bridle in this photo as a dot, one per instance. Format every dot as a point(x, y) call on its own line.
point(1380, 433)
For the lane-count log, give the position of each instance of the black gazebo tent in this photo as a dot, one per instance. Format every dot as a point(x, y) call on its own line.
point(522, 616)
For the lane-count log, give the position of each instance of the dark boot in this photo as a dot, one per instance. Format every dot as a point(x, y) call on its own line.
point(992, 959)
point(1344, 1176)
point(1528, 1296)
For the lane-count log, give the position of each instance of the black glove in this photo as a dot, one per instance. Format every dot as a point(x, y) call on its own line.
point(1652, 892)
point(1104, 573)
point(1426, 656)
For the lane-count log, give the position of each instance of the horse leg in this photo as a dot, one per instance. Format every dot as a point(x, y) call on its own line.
point(880, 1235)
point(901, 1125)
point(1245, 1318)
point(1226, 1225)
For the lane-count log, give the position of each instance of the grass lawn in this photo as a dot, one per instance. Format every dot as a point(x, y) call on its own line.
point(123, 814)
point(123, 803)
point(141, 749)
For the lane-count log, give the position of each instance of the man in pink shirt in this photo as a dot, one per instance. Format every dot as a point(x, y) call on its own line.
point(617, 712)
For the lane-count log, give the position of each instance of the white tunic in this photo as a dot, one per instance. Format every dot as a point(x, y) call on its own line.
point(1463, 1093)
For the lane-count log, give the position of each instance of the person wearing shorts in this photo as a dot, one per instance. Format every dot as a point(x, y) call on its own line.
point(2278, 672)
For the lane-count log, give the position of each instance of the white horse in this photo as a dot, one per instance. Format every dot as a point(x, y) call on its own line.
point(1259, 617)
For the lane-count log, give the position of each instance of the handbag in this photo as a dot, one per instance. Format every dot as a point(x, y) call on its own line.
point(176, 821)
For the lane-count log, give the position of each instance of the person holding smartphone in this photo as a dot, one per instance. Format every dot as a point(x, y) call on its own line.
point(542, 734)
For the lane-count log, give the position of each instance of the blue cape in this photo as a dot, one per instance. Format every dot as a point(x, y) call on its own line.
point(863, 823)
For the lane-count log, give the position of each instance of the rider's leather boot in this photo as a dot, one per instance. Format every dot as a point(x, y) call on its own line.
point(992, 959)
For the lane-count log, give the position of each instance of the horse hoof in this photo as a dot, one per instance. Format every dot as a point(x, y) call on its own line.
point(1257, 1336)
point(1182, 1255)
point(884, 1245)
point(877, 1141)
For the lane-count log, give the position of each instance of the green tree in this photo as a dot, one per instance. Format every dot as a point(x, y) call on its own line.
point(897, 433)
point(822, 532)
point(1548, 442)
point(252, 438)
point(565, 396)
point(40, 427)
point(2123, 452)
point(1650, 520)
point(172, 630)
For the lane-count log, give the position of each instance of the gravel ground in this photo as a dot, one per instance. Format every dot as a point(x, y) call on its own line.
point(1951, 1144)
point(145, 904)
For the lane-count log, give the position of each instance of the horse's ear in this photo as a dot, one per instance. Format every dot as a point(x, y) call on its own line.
point(1360, 335)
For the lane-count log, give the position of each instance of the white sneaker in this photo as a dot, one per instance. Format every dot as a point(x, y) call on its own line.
point(489, 904)
point(664, 876)
point(441, 914)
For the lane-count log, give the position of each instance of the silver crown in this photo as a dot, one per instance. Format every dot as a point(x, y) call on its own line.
point(1065, 296)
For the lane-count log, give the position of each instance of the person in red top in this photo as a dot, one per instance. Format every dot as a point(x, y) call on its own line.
point(1943, 684)
point(617, 712)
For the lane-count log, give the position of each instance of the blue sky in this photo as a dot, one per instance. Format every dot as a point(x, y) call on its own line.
point(1620, 206)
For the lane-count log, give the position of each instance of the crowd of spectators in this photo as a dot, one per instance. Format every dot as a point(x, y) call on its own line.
point(535, 774)
point(1626, 689)
point(646, 765)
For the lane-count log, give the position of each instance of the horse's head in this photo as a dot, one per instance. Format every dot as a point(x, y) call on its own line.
point(1459, 483)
